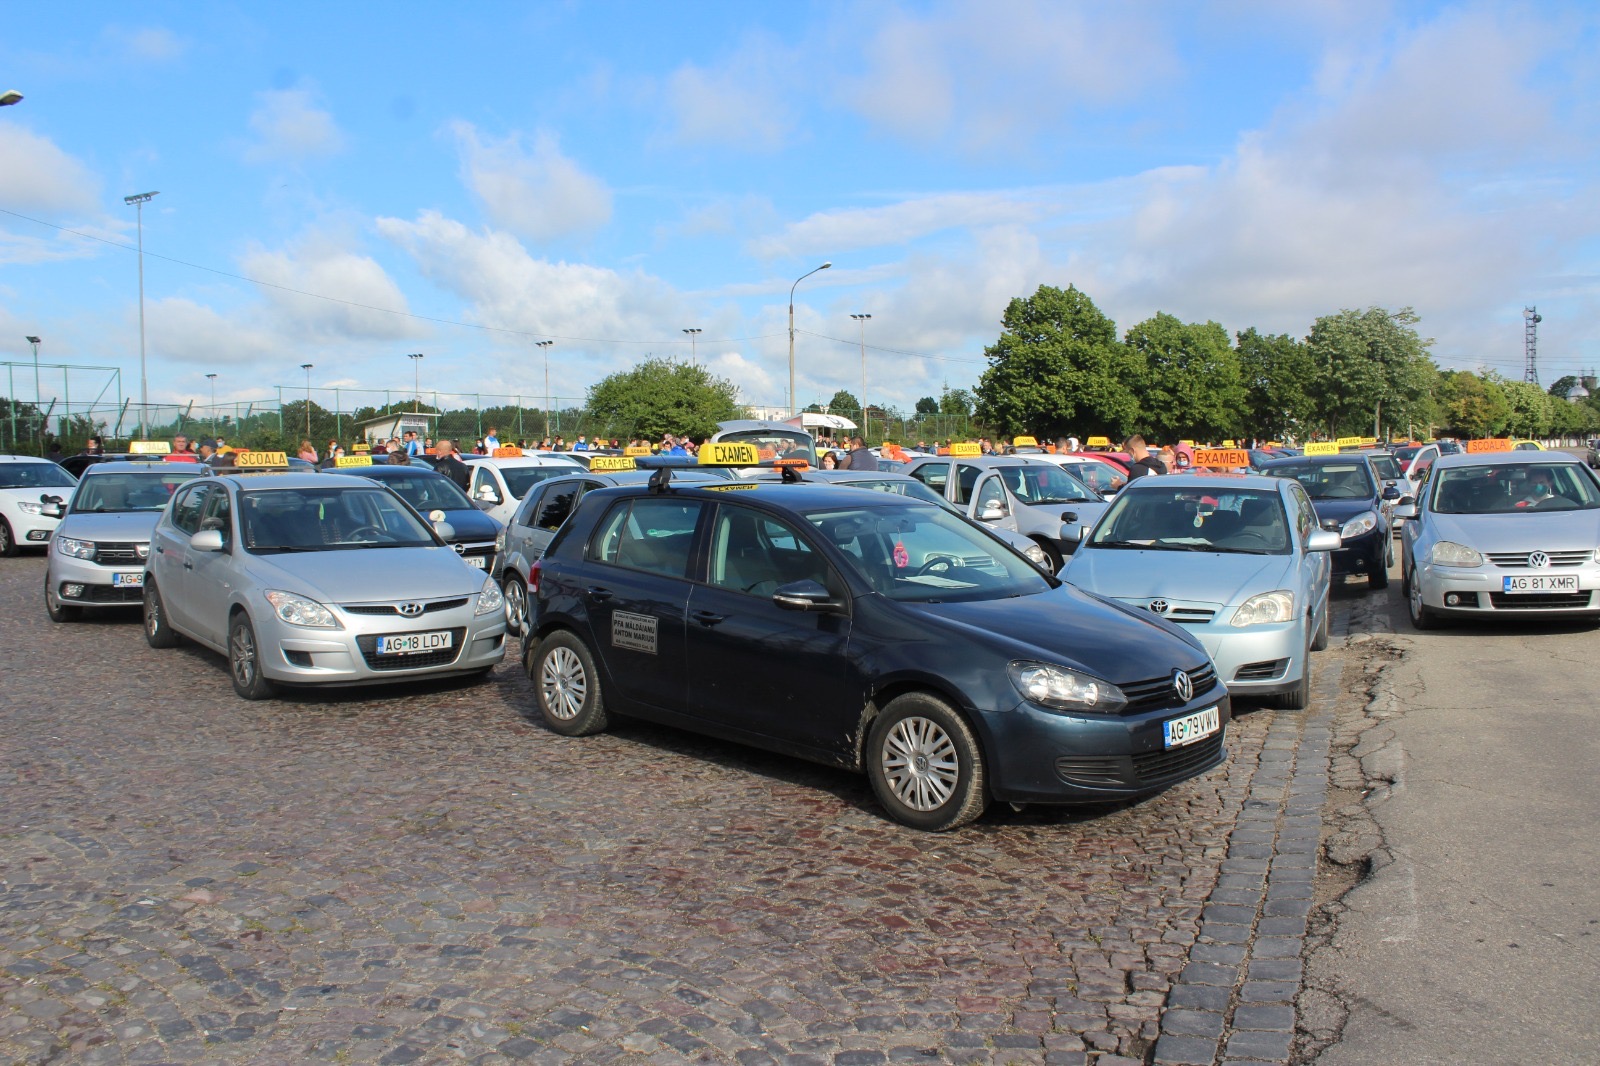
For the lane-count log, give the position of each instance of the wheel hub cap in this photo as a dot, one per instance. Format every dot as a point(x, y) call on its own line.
point(562, 684)
point(920, 764)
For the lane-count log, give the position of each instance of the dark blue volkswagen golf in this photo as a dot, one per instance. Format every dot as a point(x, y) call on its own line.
point(1350, 502)
point(869, 631)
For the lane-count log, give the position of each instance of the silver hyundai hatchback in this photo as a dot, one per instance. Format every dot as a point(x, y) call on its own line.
point(305, 579)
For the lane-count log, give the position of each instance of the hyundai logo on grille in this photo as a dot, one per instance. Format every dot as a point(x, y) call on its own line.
point(410, 610)
point(1158, 606)
point(1538, 560)
point(1182, 685)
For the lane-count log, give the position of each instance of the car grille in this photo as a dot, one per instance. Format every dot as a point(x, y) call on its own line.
point(107, 594)
point(1538, 601)
point(369, 652)
point(1159, 767)
point(1183, 613)
point(1520, 559)
point(119, 554)
point(1149, 770)
point(485, 548)
point(394, 608)
point(1158, 692)
point(1262, 671)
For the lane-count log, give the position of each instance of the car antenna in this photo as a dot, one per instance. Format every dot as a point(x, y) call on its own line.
point(661, 479)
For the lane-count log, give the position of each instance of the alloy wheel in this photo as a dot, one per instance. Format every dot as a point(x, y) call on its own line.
point(563, 684)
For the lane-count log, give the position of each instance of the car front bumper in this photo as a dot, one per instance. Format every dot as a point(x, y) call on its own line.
point(1361, 555)
point(1040, 756)
point(82, 583)
point(298, 655)
point(30, 530)
point(1261, 660)
point(1480, 590)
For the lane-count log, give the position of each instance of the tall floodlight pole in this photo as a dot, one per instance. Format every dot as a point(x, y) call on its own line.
point(793, 410)
point(416, 379)
point(138, 200)
point(213, 379)
point(544, 346)
point(9, 97)
point(307, 368)
point(693, 336)
point(861, 320)
point(38, 396)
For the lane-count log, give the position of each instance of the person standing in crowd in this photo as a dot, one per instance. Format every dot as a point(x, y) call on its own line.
point(1169, 458)
point(1141, 462)
point(180, 445)
point(860, 458)
point(491, 441)
point(307, 452)
point(413, 445)
point(829, 461)
point(451, 466)
point(94, 446)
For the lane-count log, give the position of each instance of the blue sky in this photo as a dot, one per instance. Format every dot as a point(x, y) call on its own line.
point(606, 174)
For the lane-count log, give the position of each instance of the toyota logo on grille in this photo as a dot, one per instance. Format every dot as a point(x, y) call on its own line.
point(1538, 560)
point(410, 610)
point(1158, 606)
point(1182, 685)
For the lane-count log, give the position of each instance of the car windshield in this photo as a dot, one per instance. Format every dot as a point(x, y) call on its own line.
point(328, 519)
point(1350, 480)
point(519, 479)
point(1043, 483)
point(908, 487)
point(1235, 521)
point(920, 554)
point(1099, 476)
point(40, 475)
point(775, 443)
point(119, 493)
point(1514, 488)
point(427, 492)
point(1385, 467)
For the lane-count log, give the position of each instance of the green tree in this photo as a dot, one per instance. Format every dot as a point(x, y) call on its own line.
point(1058, 369)
point(958, 402)
point(845, 403)
point(927, 406)
point(1277, 374)
point(1189, 383)
point(1529, 408)
point(661, 396)
point(1371, 365)
point(1473, 406)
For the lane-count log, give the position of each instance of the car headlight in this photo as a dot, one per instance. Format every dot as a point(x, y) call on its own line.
point(1060, 688)
point(75, 549)
point(1365, 522)
point(30, 508)
point(500, 541)
point(1449, 553)
point(490, 601)
point(1267, 607)
point(299, 611)
point(1037, 557)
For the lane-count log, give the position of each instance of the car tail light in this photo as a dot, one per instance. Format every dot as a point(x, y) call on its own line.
point(533, 577)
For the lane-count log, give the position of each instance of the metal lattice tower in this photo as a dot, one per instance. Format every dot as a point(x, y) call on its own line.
point(1530, 344)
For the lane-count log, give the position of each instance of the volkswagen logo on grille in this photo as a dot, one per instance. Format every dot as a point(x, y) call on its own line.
point(1182, 685)
point(410, 610)
point(1158, 606)
point(1538, 560)
point(461, 549)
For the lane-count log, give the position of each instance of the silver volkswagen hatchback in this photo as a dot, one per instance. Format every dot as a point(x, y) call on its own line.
point(1237, 560)
point(306, 579)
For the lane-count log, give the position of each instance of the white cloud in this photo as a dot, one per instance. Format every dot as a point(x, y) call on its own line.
point(362, 293)
point(146, 44)
point(738, 104)
point(36, 175)
point(188, 332)
point(829, 232)
point(539, 193)
point(290, 128)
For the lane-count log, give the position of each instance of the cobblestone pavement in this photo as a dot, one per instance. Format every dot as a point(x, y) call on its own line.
point(423, 875)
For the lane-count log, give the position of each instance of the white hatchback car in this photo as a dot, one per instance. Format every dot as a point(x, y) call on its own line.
point(498, 485)
point(24, 480)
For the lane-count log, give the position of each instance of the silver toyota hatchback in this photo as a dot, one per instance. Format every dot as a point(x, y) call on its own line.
point(305, 579)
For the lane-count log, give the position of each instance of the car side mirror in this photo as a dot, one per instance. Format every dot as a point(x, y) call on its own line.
point(1069, 517)
point(487, 494)
point(207, 540)
point(1406, 510)
point(53, 506)
point(1324, 540)
point(992, 512)
point(1390, 492)
point(806, 596)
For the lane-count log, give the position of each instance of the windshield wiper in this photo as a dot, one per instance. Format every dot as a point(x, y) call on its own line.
point(285, 548)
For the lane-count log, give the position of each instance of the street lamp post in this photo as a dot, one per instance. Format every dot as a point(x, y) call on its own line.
point(694, 335)
point(793, 409)
point(307, 368)
point(38, 395)
point(138, 200)
point(9, 97)
point(544, 346)
point(213, 379)
point(861, 320)
point(416, 379)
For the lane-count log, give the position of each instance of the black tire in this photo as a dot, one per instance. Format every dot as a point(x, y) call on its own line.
point(58, 611)
point(8, 540)
point(925, 764)
point(1052, 556)
point(566, 686)
point(244, 661)
point(1299, 697)
point(515, 590)
point(1378, 576)
point(1320, 641)
point(158, 631)
point(1423, 617)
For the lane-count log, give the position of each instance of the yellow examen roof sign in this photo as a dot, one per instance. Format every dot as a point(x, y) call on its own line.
point(1098, 442)
point(149, 447)
point(351, 460)
point(965, 450)
point(1322, 447)
point(610, 464)
point(1349, 442)
point(729, 453)
point(362, 446)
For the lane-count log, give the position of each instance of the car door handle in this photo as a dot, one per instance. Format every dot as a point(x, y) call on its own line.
point(188, 565)
point(600, 594)
point(707, 618)
point(161, 551)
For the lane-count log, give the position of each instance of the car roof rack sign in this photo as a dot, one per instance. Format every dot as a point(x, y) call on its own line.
point(712, 453)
